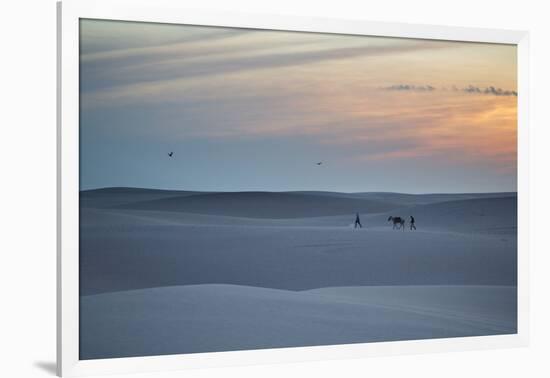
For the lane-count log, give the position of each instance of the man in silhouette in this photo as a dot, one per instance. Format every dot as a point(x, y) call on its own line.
point(357, 221)
point(412, 223)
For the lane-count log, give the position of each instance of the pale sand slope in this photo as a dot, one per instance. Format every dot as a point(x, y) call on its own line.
point(208, 318)
point(480, 215)
point(122, 252)
point(404, 199)
point(148, 268)
point(111, 197)
point(489, 215)
point(262, 205)
point(486, 212)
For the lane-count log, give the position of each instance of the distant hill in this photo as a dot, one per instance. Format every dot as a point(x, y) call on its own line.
point(300, 204)
point(111, 197)
point(262, 205)
point(490, 215)
point(404, 199)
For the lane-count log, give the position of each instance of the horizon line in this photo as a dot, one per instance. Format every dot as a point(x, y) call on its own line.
point(284, 191)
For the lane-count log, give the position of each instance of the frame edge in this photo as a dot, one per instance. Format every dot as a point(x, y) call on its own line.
point(69, 12)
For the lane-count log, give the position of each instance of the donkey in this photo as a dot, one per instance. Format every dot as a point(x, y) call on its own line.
point(398, 222)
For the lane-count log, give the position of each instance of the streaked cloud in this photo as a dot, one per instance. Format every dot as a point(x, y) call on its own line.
point(163, 67)
point(249, 96)
point(491, 90)
point(409, 87)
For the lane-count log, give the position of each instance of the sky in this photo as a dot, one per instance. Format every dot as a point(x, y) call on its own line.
point(256, 110)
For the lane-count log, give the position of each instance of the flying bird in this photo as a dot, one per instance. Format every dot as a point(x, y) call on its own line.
point(170, 153)
point(319, 163)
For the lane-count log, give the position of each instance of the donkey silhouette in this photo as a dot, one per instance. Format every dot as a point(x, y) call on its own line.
point(398, 222)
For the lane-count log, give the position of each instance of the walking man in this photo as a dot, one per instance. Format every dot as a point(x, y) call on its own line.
point(357, 221)
point(412, 223)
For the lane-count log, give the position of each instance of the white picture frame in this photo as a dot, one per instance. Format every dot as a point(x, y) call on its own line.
point(170, 11)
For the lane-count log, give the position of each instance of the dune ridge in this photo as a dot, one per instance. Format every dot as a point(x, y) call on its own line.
point(164, 272)
point(210, 318)
point(268, 205)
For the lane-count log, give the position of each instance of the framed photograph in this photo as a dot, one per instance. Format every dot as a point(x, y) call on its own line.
point(240, 189)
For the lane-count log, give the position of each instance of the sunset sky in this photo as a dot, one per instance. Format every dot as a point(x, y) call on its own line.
point(256, 110)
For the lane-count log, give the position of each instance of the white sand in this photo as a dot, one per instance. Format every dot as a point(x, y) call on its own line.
point(172, 272)
point(262, 205)
point(208, 318)
point(122, 252)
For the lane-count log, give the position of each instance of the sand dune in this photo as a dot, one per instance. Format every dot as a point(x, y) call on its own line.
point(131, 255)
point(487, 215)
point(208, 318)
point(490, 305)
point(496, 215)
point(109, 197)
point(262, 205)
point(239, 203)
point(404, 199)
point(166, 272)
